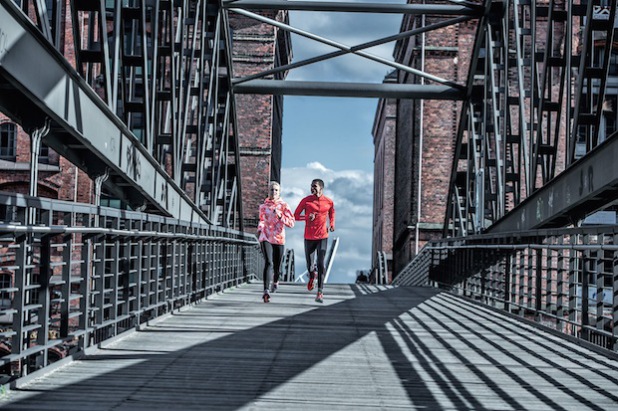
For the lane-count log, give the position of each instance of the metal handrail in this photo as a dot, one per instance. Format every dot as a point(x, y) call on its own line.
point(21, 229)
point(561, 278)
point(288, 265)
point(100, 272)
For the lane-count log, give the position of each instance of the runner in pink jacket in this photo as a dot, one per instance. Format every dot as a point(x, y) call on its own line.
point(275, 215)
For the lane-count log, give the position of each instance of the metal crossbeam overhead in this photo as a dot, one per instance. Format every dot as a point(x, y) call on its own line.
point(346, 50)
point(333, 89)
point(464, 8)
point(464, 12)
point(148, 104)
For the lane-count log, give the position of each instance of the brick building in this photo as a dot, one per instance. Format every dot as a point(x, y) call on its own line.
point(384, 129)
point(57, 178)
point(258, 47)
point(424, 136)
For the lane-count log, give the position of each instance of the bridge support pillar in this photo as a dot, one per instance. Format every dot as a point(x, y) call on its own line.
point(98, 187)
point(36, 136)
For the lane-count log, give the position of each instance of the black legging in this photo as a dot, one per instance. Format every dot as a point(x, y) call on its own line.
point(310, 247)
point(272, 254)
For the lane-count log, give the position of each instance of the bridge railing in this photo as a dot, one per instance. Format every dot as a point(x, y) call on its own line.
point(73, 275)
point(288, 266)
point(566, 279)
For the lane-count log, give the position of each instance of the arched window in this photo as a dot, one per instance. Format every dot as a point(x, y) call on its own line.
point(8, 137)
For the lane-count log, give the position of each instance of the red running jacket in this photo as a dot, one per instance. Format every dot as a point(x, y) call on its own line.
point(322, 207)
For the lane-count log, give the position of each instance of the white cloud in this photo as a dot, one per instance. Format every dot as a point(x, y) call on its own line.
point(352, 193)
point(348, 29)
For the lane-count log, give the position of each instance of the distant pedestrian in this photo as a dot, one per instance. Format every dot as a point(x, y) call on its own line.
point(318, 213)
point(275, 215)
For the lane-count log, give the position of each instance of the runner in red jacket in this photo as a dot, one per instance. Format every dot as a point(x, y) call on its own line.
point(315, 210)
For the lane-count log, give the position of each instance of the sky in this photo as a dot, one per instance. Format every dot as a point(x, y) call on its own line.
point(331, 137)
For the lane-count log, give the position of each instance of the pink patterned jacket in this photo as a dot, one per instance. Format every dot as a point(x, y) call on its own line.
point(275, 215)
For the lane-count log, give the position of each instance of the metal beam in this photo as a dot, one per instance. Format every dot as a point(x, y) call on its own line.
point(334, 89)
point(469, 9)
point(353, 49)
point(347, 49)
point(589, 184)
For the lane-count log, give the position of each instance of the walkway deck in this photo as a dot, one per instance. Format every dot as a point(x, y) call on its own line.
point(366, 347)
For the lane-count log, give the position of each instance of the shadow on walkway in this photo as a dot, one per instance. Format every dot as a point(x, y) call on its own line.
point(228, 372)
point(443, 353)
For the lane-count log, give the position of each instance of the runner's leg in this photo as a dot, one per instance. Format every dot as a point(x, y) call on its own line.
point(321, 247)
point(310, 247)
point(267, 249)
point(277, 257)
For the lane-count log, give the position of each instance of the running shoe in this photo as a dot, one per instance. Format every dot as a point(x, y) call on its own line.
point(311, 283)
point(319, 298)
point(273, 287)
point(266, 297)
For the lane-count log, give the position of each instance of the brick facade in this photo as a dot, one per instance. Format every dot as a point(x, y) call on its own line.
point(259, 47)
point(383, 132)
point(57, 177)
point(424, 138)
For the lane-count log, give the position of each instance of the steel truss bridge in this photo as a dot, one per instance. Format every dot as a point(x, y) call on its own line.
point(147, 110)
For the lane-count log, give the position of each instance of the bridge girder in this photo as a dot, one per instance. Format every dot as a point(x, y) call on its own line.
point(533, 98)
point(148, 101)
point(333, 89)
point(266, 85)
point(464, 8)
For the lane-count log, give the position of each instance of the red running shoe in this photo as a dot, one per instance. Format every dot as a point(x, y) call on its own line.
point(319, 298)
point(311, 283)
point(266, 297)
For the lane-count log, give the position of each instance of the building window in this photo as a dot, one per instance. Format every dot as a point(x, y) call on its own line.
point(5, 284)
point(44, 154)
point(8, 137)
point(8, 214)
point(5, 280)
